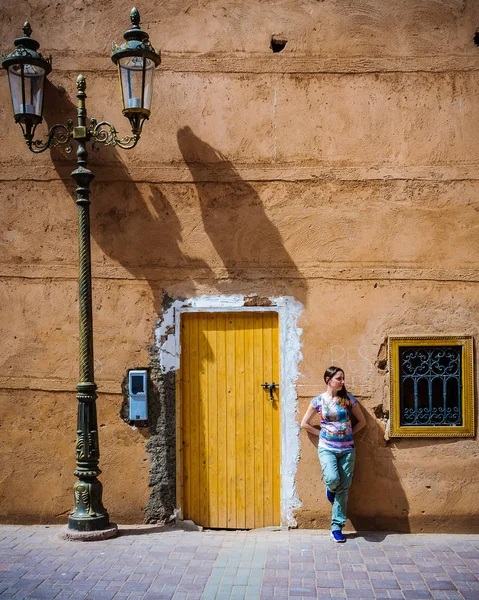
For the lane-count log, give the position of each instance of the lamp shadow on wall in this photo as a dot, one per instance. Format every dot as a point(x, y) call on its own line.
point(234, 218)
point(138, 227)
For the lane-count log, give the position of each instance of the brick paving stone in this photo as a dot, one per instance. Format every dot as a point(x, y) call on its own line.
point(43, 594)
point(463, 577)
point(416, 594)
point(401, 560)
point(409, 577)
point(360, 594)
point(402, 568)
point(379, 568)
point(327, 567)
point(352, 560)
point(350, 585)
point(379, 576)
point(301, 591)
point(375, 560)
point(441, 585)
point(330, 583)
point(358, 568)
point(432, 569)
point(102, 595)
point(388, 584)
point(354, 575)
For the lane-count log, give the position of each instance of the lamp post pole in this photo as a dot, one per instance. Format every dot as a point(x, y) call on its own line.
point(89, 513)
point(27, 69)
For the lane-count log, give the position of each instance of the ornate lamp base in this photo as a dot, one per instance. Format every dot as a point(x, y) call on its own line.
point(89, 519)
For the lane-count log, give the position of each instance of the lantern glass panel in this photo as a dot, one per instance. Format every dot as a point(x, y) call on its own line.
point(136, 75)
point(26, 85)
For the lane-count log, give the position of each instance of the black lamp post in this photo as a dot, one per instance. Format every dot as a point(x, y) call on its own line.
point(27, 70)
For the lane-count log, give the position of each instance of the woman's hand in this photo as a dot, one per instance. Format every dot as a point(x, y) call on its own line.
point(307, 418)
point(358, 414)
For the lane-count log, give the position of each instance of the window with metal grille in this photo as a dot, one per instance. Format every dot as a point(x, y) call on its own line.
point(431, 386)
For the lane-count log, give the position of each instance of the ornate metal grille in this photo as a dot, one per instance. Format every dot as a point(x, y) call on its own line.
point(430, 385)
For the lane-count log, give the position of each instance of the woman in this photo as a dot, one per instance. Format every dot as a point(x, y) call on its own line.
point(336, 445)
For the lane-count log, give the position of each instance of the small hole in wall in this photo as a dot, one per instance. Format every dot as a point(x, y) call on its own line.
point(277, 43)
point(476, 38)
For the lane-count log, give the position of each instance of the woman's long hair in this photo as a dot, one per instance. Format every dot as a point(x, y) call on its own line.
point(343, 395)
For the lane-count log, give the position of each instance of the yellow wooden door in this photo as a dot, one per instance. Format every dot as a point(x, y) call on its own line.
point(229, 432)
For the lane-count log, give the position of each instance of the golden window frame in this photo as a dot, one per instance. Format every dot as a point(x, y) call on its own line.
point(467, 387)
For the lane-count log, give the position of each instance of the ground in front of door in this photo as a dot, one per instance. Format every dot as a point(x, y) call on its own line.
point(156, 563)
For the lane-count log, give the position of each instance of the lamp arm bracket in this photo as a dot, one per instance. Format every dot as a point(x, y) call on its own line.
point(105, 133)
point(58, 135)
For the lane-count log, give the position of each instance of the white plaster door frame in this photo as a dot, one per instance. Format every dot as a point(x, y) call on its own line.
point(289, 310)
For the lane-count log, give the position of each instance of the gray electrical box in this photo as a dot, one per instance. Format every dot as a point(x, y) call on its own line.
point(138, 399)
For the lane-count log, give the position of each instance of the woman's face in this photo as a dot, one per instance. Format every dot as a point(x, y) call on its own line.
point(337, 381)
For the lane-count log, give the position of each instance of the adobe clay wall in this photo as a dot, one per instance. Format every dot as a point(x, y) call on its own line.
point(342, 171)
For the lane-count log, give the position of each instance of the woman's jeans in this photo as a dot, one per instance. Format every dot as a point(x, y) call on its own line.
point(338, 470)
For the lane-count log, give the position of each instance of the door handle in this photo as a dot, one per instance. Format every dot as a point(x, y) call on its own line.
point(271, 387)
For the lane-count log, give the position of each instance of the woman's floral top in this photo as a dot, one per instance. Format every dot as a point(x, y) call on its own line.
point(336, 430)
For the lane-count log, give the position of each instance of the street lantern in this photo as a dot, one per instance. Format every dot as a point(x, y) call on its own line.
point(27, 70)
point(136, 60)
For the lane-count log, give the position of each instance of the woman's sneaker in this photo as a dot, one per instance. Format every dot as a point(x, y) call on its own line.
point(338, 536)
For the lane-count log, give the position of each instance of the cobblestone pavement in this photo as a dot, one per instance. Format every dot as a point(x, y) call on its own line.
point(155, 563)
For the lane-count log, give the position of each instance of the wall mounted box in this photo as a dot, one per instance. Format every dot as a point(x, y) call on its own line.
point(138, 397)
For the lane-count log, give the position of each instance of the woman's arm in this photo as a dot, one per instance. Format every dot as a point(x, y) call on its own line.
point(361, 421)
point(308, 415)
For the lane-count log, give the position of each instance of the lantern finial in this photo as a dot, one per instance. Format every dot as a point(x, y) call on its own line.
point(81, 83)
point(135, 18)
point(27, 30)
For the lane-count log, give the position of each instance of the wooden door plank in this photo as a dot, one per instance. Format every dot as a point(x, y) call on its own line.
point(260, 398)
point(194, 416)
point(179, 440)
point(240, 431)
point(231, 421)
point(212, 422)
point(276, 424)
point(250, 392)
point(185, 423)
point(222, 412)
point(203, 400)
